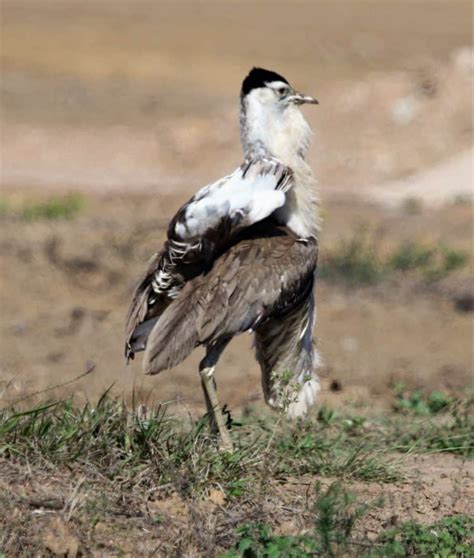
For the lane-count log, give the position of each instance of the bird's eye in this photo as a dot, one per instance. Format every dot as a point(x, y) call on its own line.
point(281, 90)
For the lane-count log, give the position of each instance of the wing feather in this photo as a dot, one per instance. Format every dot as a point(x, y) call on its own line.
point(247, 285)
point(251, 193)
point(146, 306)
point(199, 233)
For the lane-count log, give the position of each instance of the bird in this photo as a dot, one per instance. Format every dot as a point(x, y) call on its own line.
point(241, 256)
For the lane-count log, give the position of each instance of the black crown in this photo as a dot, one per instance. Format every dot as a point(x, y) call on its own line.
point(258, 77)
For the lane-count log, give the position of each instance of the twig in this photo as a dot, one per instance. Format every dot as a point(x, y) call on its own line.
point(89, 370)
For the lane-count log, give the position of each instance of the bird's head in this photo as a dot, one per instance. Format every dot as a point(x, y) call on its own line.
point(270, 115)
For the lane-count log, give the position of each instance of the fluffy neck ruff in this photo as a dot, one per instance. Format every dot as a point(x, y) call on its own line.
point(267, 127)
point(270, 130)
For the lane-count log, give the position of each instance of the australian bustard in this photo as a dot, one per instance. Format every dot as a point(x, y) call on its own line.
point(241, 256)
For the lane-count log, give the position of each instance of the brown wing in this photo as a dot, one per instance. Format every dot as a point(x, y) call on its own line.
point(168, 271)
point(264, 275)
point(200, 231)
point(144, 309)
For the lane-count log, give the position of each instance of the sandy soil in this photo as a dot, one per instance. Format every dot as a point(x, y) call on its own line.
point(144, 95)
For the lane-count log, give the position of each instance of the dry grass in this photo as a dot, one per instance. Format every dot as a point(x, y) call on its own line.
point(72, 476)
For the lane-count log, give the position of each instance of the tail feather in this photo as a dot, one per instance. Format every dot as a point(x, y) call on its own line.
point(140, 335)
point(173, 337)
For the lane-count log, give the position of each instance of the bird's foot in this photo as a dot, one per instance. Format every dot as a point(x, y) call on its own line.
point(225, 443)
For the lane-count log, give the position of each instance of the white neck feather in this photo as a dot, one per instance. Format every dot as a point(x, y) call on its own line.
point(301, 210)
point(284, 134)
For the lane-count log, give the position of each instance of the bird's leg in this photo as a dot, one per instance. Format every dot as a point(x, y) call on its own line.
point(206, 370)
point(213, 408)
point(205, 374)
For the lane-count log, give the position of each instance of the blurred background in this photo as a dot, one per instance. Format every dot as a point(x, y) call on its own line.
point(115, 112)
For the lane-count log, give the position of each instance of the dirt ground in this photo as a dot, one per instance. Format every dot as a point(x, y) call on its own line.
point(113, 103)
point(133, 105)
point(435, 487)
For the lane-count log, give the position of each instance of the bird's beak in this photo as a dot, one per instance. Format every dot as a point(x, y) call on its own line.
point(300, 99)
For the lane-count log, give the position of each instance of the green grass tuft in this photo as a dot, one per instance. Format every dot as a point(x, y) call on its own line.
point(356, 261)
point(329, 449)
point(335, 519)
point(66, 207)
point(54, 209)
point(336, 513)
point(119, 442)
point(436, 423)
point(418, 403)
point(411, 255)
point(4, 210)
point(452, 536)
